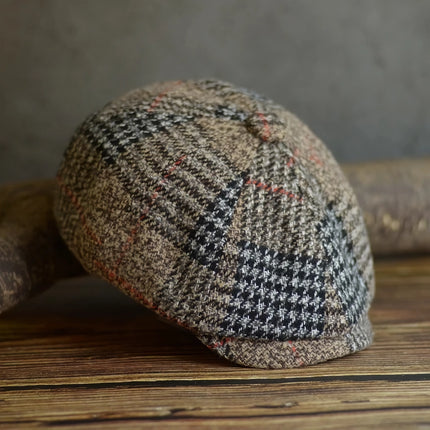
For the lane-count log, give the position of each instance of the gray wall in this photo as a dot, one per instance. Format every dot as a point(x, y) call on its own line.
point(356, 71)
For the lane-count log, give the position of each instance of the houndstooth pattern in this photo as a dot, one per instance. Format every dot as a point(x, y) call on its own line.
point(343, 269)
point(206, 243)
point(276, 297)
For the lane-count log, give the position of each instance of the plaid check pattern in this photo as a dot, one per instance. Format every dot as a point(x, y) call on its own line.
point(224, 213)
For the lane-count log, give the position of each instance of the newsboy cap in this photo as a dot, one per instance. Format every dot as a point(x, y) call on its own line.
point(224, 213)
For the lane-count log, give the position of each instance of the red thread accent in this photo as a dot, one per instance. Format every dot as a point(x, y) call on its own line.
point(276, 190)
point(313, 157)
point(137, 294)
point(73, 198)
point(160, 96)
point(292, 159)
point(266, 127)
point(293, 348)
point(154, 196)
point(290, 162)
point(220, 343)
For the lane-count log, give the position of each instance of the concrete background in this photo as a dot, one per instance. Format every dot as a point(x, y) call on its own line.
point(356, 71)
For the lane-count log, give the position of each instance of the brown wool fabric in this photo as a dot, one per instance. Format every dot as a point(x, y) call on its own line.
point(224, 213)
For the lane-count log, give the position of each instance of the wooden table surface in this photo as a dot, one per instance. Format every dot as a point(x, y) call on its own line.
point(83, 355)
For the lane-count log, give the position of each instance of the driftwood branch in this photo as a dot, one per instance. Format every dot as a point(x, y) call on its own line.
point(32, 253)
point(395, 199)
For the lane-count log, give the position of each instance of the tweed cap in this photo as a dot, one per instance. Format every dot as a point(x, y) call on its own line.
point(224, 213)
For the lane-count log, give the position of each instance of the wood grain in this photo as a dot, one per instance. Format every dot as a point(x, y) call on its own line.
point(395, 200)
point(82, 355)
point(32, 253)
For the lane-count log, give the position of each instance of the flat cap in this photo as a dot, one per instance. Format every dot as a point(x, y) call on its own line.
point(224, 213)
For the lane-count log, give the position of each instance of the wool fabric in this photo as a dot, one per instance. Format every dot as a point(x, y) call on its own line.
point(222, 212)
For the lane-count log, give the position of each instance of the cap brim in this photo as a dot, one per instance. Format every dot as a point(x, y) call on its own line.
point(291, 353)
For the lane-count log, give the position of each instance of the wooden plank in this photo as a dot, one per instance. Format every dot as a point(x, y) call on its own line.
point(83, 355)
point(225, 401)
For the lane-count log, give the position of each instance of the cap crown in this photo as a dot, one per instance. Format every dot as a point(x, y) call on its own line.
point(220, 210)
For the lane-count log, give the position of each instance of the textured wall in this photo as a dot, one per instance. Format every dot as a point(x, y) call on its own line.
point(356, 71)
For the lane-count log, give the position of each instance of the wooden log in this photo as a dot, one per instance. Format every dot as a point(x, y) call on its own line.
point(32, 253)
point(395, 199)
